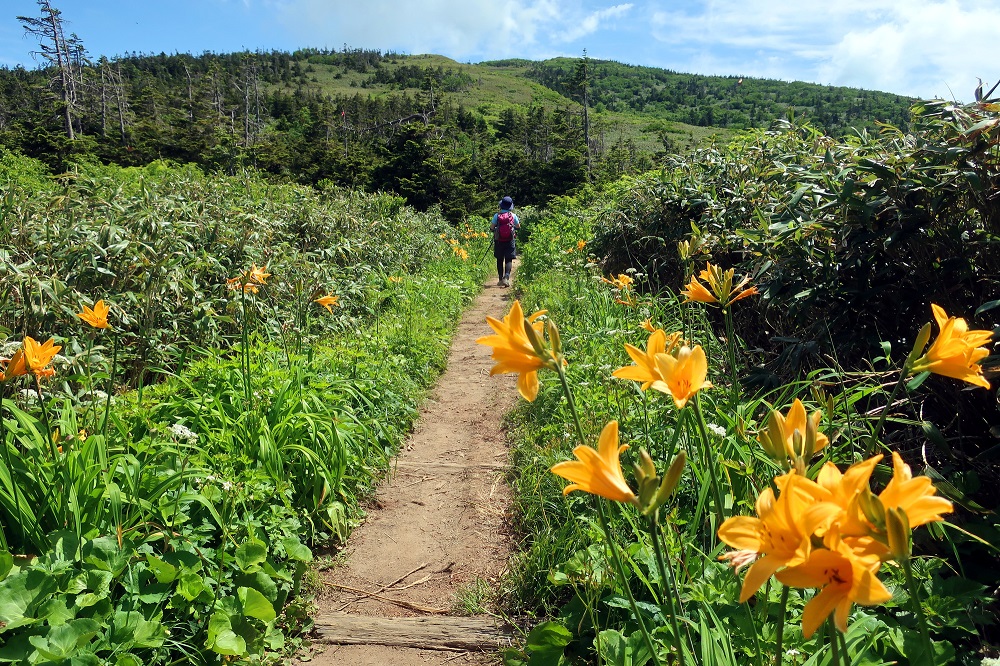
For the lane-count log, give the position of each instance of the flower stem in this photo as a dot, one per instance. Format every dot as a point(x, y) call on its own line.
point(572, 404)
point(654, 532)
point(623, 579)
point(731, 353)
point(873, 438)
point(111, 386)
point(781, 625)
point(709, 462)
point(911, 586)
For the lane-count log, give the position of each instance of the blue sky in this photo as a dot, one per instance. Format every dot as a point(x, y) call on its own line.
point(919, 48)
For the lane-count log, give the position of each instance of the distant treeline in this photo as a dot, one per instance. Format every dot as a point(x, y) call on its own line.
point(722, 101)
point(266, 110)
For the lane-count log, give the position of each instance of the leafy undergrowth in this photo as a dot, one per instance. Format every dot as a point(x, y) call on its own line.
point(597, 593)
point(174, 522)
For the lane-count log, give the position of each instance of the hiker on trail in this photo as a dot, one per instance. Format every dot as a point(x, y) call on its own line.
point(504, 226)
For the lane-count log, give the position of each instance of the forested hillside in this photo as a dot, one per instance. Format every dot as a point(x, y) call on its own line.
point(720, 101)
point(430, 129)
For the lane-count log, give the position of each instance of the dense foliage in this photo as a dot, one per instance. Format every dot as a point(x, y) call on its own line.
point(722, 101)
point(459, 136)
point(176, 522)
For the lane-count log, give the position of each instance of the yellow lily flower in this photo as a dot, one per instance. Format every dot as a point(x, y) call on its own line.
point(683, 374)
point(845, 491)
point(96, 317)
point(956, 352)
point(780, 440)
point(258, 274)
point(645, 369)
point(38, 356)
point(513, 351)
point(781, 534)
point(720, 288)
point(696, 291)
point(598, 472)
point(845, 577)
point(647, 326)
point(327, 301)
point(14, 367)
point(915, 496)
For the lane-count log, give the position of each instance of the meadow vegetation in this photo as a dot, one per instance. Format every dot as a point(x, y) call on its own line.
point(204, 378)
point(811, 463)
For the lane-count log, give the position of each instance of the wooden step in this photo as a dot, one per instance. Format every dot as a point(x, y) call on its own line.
point(425, 633)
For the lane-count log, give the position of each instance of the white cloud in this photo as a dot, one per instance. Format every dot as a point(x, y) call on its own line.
point(592, 23)
point(458, 28)
point(918, 47)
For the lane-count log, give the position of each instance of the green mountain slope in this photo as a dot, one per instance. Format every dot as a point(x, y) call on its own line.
point(431, 129)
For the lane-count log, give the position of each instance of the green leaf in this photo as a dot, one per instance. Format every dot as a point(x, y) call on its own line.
point(255, 604)
point(62, 641)
point(190, 585)
point(250, 554)
point(144, 632)
point(221, 637)
point(296, 550)
point(6, 563)
point(548, 635)
point(165, 573)
point(20, 594)
point(914, 383)
point(988, 306)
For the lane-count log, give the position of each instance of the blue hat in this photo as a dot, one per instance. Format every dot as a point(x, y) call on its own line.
point(506, 203)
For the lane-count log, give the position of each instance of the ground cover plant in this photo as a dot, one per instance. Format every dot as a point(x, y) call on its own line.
point(674, 508)
point(202, 378)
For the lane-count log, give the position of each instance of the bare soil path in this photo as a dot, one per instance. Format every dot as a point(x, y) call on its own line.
point(437, 527)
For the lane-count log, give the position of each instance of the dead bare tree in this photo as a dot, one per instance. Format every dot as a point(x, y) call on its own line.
point(55, 49)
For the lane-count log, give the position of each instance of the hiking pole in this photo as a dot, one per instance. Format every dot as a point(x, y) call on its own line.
point(483, 256)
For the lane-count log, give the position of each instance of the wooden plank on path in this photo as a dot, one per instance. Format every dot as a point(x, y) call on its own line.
point(425, 633)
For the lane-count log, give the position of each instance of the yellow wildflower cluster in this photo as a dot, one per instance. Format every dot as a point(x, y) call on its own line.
point(668, 365)
point(955, 353)
point(457, 248)
point(470, 233)
point(579, 247)
point(833, 534)
point(519, 346)
point(624, 285)
point(31, 357)
point(250, 280)
point(720, 287)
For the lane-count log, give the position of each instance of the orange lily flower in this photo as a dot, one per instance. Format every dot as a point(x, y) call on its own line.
point(14, 367)
point(513, 351)
point(645, 369)
point(598, 472)
point(915, 496)
point(683, 374)
point(96, 317)
point(720, 288)
point(38, 356)
point(956, 352)
point(696, 291)
point(845, 577)
point(781, 533)
point(327, 301)
point(779, 439)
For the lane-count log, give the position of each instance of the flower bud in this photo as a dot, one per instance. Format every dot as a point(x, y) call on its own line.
point(897, 527)
point(872, 507)
point(671, 478)
point(554, 339)
point(923, 337)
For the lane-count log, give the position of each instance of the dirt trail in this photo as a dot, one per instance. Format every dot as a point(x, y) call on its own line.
point(437, 526)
